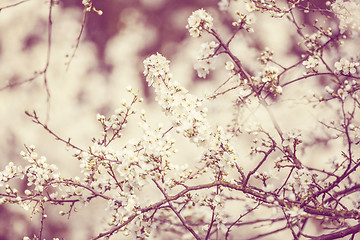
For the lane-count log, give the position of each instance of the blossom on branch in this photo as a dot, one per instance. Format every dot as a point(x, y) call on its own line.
point(206, 58)
point(346, 67)
point(156, 67)
point(348, 14)
point(198, 21)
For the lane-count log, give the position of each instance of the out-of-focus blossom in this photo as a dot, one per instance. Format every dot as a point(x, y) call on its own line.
point(348, 14)
point(224, 5)
point(206, 59)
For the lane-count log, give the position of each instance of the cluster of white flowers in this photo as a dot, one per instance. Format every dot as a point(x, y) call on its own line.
point(346, 88)
point(299, 184)
point(198, 21)
point(269, 7)
point(115, 122)
point(348, 14)
point(157, 67)
point(99, 158)
point(266, 56)
point(206, 58)
point(292, 137)
point(188, 117)
point(314, 41)
point(135, 165)
point(311, 63)
point(39, 176)
point(346, 67)
point(9, 172)
point(119, 119)
point(268, 80)
point(269, 74)
point(158, 147)
point(244, 21)
point(39, 173)
point(182, 107)
point(296, 212)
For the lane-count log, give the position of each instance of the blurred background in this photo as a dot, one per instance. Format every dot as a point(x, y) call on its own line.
point(109, 58)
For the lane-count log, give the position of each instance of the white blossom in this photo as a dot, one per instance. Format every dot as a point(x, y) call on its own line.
point(346, 67)
point(198, 21)
point(229, 65)
point(311, 63)
point(348, 14)
point(156, 66)
point(224, 5)
point(206, 59)
point(244, 21)
point(296, 212)
point(250, 6)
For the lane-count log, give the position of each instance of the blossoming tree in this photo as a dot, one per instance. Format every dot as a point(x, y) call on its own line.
point(286, 190)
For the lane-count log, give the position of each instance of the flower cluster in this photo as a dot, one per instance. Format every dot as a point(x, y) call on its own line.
point(189, 119)
point(39, 173)
point(206, 58)
point(348, 14)
point(343, 89)
point(39, 177)
point(292, 138)
point(9, 172)
point(113, 125)
point(182, 107)
point(296, 213)
point(300, 184)
point(346, 67)
point(311, 64)
point(156, 67)
point(198, 21)
point(266, 56)
point(271, 7)
point(244, 21)
point(313, 42)
point(268, 80)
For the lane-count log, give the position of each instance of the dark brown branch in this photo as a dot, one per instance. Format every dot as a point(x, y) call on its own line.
point(340, 234)
point(259, 165)
point(176, 212)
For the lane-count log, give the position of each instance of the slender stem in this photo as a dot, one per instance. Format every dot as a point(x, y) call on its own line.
point(176, 212)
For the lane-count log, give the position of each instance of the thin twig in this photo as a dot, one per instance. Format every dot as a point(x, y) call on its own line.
point(85, 14)
point(177, 213)
point(13, 5)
